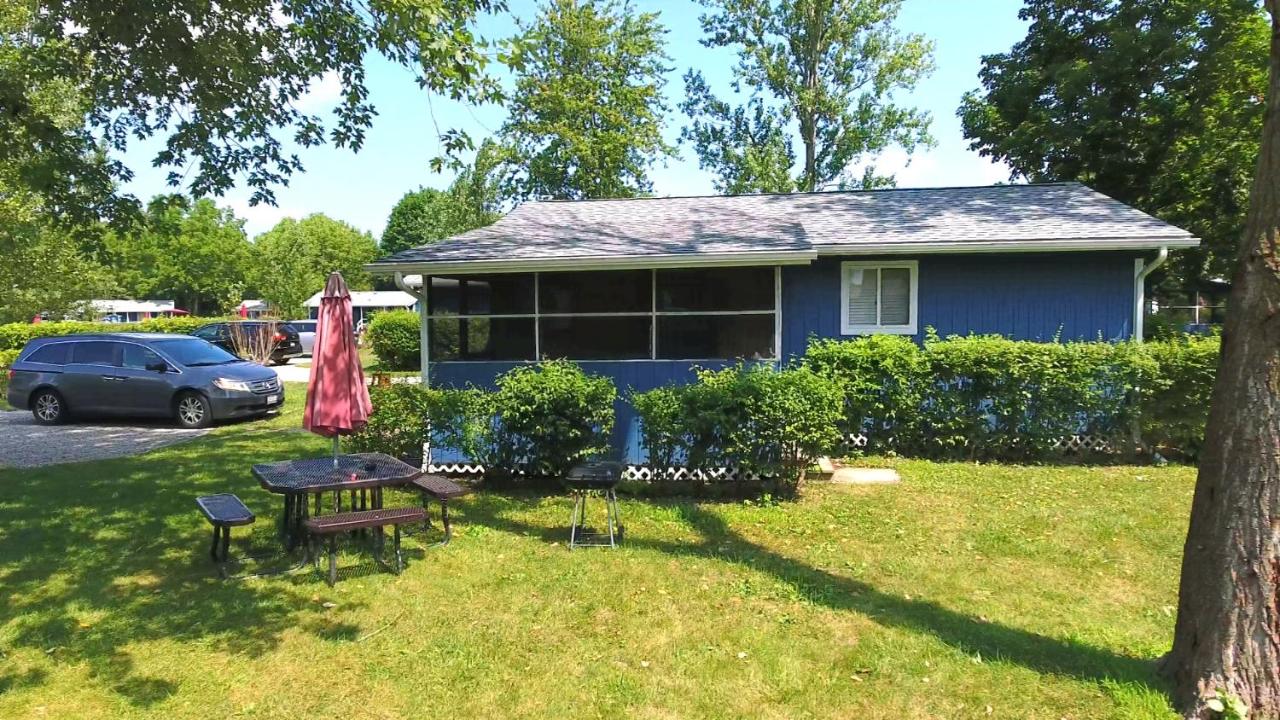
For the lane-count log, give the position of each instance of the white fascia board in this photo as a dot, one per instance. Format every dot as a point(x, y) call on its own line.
point(969, 246)
point(634, 262)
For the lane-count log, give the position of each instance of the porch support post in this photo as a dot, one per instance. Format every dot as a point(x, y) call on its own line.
point(777, 312)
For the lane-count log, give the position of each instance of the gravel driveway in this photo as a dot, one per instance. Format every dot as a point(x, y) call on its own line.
point(23, 443)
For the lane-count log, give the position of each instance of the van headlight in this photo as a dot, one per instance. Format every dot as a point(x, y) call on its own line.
point(229, 384)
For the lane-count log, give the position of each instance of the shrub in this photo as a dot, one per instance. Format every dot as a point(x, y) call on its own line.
point(6, 359)
point(883, 380)
point(395, 337)
point(548, 417)
point(13, 336)
point(662, 424)
point(399, 424)
point(788, 419)
point(754, 417)
point(1174, 404)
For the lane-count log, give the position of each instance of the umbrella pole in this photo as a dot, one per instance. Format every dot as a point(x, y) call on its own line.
point(335, 450)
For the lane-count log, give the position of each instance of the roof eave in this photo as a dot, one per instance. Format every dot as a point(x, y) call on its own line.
point(615, 262)
point(1012, 246)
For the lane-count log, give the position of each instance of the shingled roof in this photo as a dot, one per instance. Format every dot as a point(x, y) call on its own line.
point(797, 227)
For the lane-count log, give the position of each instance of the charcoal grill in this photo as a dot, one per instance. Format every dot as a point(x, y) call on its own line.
point(594, 478)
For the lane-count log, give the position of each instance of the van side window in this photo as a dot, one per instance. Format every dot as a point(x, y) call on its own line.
point(139, 357)
point(55, 354)
point(94, 353)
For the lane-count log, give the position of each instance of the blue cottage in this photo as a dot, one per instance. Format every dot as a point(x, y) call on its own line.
point(644, 290)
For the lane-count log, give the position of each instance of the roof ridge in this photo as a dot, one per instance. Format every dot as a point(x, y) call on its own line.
point(867, 191)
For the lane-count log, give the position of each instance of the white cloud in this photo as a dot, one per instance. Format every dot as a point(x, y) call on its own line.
point(322, 93)
point(261, 217)
point(936, 167)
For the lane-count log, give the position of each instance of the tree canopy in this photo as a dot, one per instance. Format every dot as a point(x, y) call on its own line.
point(293, 259)
point(586, 116)
point(192, 252)
point(220, 82)
point(426, 215)
point(827, 67)
point(1157, 103)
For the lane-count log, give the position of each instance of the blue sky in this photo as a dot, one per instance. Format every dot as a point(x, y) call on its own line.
point(362, 188)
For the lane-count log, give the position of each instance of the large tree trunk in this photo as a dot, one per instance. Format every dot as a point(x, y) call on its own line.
point(1227, 637)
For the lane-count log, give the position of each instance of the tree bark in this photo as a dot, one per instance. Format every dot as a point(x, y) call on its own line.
point(1227, 637)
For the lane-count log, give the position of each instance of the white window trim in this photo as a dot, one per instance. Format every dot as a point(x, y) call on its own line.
point(909, 329)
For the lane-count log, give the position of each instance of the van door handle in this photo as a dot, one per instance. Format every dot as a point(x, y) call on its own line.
point(113, 377)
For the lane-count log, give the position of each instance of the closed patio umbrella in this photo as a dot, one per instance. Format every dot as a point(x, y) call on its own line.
point(337, 399)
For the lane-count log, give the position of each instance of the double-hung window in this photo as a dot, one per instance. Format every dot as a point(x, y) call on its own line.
point(878, 297)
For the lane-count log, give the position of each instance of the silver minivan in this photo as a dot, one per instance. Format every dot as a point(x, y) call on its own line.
point(139, 375)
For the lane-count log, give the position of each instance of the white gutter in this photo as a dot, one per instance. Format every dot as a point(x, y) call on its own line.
point(1141, 271)
point(961, 247)
point(631, 262)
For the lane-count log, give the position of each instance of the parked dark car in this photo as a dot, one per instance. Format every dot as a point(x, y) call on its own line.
point(306, 334)
point(139, 375)
point(224, 334)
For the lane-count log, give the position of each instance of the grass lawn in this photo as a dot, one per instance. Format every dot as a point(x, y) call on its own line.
point(965, 591)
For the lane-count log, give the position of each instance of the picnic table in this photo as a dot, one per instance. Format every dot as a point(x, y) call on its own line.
point(296, 480)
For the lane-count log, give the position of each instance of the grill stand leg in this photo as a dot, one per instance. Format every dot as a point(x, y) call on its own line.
point(575, 519)
point(611, 515)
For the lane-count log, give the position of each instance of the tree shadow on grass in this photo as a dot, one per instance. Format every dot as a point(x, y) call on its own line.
point(95, 557)
point(992, 640)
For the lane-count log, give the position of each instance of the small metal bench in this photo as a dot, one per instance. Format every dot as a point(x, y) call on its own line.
point(332, 525)
point(438, 487)
point(223, 511)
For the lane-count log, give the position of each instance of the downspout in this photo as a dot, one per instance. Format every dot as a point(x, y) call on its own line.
point(1140, 289)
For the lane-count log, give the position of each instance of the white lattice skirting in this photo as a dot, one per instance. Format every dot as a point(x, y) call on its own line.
point(1069, 445)
point(636, 473)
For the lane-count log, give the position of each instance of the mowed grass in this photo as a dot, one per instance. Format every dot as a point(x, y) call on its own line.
point(965, 591)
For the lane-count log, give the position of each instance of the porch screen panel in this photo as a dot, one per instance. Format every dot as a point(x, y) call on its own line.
point(587, 337)
point(580, 293)
point(685, 314)
point(481, 338)
point(716, 314)
point(710, 337)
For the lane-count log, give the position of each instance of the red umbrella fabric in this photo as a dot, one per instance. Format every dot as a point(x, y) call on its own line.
point(337, 398)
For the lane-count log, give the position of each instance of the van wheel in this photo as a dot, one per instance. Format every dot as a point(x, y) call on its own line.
point(192, 411)
point(48, 407)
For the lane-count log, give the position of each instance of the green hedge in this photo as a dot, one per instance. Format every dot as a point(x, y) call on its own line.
point(394, 336)
point(13, 336)
point(1174, 405)
point(541, 420)
point(752, 417)
point(983, 397)
point(6, 359)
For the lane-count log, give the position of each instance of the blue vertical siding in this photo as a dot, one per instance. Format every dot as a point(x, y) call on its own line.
point(1074, 296)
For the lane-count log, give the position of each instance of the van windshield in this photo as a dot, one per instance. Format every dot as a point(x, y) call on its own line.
point(194, 352)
